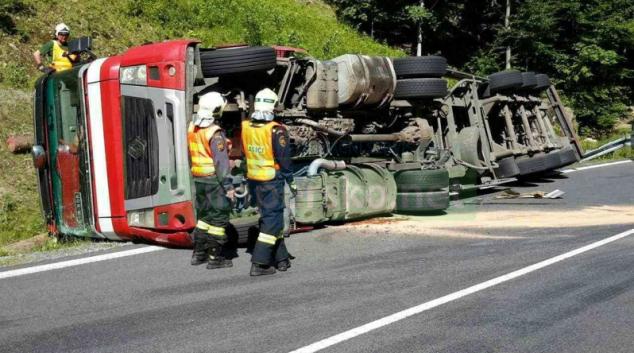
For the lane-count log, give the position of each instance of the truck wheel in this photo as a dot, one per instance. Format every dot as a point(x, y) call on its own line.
point(507, 168)
point(530, 82)
point(411, 202)
point(505, 81)
point(567, 156)
point(543, 83)
point(421, 180)
point(421, 88)
point(471, 148)
point(531, 165)
point(552, 160)
point(484, 92)
point(215, 63)
point(420, 66)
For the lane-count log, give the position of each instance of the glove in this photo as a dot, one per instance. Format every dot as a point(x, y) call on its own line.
point(42, 69)
point(231, 196)
point(293, 188)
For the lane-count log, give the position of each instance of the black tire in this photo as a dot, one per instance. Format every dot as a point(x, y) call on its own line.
point(507, 168)
point(567, 156)
point(412, 202)
point(543, 83)
point(552, 160)
point(484, 91)
point(420, 67)
point(530, 81)
point(505, 81)
point(239, 229)
point(222, 62)
point(420, 88)
point(421, 180)
point(531, 165)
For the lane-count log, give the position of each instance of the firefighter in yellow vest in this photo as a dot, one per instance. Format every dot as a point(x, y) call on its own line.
point(208, 148)
point(266, 147)
point(56, 52)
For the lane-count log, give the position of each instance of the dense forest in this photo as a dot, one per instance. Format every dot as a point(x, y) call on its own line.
point(585, 46)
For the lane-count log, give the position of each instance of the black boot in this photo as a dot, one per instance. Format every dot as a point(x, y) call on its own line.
point(284, 265)
point(261, 270)
point(219, 262)
point(199, 256)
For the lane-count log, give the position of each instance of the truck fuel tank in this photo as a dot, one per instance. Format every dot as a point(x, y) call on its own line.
point(365, 81)
point(335, 195)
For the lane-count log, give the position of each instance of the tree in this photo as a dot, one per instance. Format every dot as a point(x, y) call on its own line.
point(583, 45)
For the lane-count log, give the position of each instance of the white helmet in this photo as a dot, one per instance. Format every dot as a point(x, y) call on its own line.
point(210, 106)
point(61, 28)
point(265, 103)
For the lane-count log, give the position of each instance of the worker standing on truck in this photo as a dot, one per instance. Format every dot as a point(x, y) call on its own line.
point(56, 52)
point(266, 147)
point(208, 148)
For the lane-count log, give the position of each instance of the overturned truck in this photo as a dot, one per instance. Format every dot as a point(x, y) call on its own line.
point(369, 136)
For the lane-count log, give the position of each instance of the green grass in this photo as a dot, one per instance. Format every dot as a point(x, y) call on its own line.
point(117, 25)
point(20, 216)
point(11, 261)
point(55, 244)
point(52, 245)
point(623, 153)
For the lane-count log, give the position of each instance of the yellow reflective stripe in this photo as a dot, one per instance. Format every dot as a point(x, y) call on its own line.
point(281, 235)
point(202, 160)
point(217, 231)
point(194, 147)
point(202, 225)
point(203, 170)
point(268, 239)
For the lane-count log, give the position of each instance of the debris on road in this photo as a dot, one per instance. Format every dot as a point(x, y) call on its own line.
point(512, 194)
point(557, 194)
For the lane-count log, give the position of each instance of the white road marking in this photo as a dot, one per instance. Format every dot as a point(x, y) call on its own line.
point(76, 262)
point(595, 166)
point(331, 341)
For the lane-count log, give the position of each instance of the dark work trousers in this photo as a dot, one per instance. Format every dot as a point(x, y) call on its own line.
point(212, 208)
point(270, 248)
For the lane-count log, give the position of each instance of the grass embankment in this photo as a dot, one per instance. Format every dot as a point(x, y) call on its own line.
point(119, 24)
point(623, 153)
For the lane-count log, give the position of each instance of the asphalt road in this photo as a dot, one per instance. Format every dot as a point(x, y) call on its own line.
point(346, 277)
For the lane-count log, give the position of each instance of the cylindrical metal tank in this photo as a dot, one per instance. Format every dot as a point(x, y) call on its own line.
point(365, 82)
point(357, 191)
point(323, 92)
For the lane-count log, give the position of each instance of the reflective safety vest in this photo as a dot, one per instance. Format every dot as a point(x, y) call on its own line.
point(61, 62)
point(200, 151)
point(257, 143)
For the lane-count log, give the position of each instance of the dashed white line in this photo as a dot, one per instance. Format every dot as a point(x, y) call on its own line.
point(331, 341)
point(76, 262)
point(595, 166)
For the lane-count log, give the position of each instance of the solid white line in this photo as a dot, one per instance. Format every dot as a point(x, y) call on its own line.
point(595, 166)
point(82, 261)
point(331, 341)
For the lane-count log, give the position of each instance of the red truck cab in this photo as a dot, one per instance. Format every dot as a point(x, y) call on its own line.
point(111, 141)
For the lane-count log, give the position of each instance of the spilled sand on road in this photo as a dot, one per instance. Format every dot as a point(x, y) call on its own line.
point(481, 223)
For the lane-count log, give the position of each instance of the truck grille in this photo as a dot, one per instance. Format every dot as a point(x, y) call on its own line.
point(140, 148)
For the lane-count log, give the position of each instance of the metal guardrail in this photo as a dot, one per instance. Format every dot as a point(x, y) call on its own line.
point(607, 148)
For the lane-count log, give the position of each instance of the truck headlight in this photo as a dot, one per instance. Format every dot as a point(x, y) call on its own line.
point(134, 75)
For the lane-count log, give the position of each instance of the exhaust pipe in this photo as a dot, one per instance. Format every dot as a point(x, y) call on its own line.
point(313, 169)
